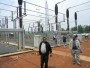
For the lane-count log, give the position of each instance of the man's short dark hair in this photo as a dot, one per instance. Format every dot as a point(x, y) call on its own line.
point(44, 38)
point(76, 36)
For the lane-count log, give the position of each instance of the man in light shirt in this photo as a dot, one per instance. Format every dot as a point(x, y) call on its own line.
point(44, 51)
point(75, 49)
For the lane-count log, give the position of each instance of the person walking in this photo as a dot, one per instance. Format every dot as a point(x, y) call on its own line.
point(55, 38)
point(75, 49)
point(44, 51)
point(64, 41)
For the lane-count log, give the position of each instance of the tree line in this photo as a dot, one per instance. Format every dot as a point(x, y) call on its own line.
point(82, 29)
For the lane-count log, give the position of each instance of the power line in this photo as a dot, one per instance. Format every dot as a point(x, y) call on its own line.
point(8, 10)
point(8, 5)
point(27, 14)
point(42, 7)
point(83, 10)
point(60, 2)
point(78, 5)
point(37, 12)
point(4, 16)
point(35, 16)
point(5, 10)
point(28, 20)
point(26, 9)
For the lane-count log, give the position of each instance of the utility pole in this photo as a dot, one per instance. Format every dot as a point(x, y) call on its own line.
point(21, 34)
point(56, 14)
point(58, 25)
point(20, 12)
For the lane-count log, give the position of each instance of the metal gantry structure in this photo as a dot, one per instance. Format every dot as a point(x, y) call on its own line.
point(12, 12)
point(25, 9)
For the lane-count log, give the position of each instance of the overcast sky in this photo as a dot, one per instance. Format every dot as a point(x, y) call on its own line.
point(82, 17)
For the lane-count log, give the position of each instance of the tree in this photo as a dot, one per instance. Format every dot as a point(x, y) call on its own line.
point(89, 28)
point(73, 29)
point(80, 29)
point(86, 29)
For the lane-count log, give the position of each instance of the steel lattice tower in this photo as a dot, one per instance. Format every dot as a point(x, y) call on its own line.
point(46, 17)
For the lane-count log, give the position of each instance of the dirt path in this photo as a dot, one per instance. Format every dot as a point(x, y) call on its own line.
point(82, 57)
point(61, 58)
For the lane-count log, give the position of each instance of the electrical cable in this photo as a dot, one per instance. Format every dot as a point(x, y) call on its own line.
point(79, 5)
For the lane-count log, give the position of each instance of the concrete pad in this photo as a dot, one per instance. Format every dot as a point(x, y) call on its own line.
point(29, 47)
point(15, 53)
point(85, 58)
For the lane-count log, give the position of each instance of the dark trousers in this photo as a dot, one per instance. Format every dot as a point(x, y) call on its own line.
point(55, 40)
point(44, 59)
